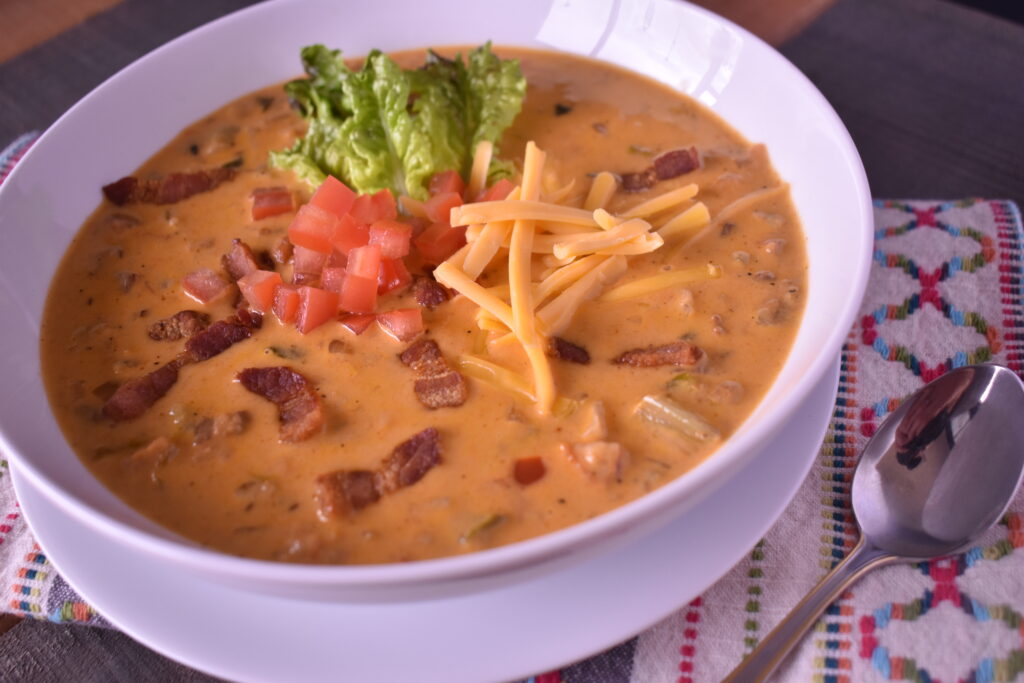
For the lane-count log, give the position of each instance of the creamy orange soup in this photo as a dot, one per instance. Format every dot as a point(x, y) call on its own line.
point(206, 460)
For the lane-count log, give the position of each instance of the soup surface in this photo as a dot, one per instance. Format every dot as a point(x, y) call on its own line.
point(207, 459)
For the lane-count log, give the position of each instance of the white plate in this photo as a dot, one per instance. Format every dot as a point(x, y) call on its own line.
point(112, 130)
point(494, 635)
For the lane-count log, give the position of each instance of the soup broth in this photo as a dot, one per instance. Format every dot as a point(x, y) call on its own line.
point(206, 459)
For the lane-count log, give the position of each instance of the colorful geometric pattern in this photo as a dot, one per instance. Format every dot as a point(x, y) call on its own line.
point(946, 290)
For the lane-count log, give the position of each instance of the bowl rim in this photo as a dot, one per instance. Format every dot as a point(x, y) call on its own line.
point(708, 474)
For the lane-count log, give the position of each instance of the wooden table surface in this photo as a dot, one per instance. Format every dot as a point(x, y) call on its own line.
point(931, 92)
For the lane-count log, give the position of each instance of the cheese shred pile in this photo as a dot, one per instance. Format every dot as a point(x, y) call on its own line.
point(557, 257)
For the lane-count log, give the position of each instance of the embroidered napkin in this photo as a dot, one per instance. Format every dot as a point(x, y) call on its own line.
point(945, 291)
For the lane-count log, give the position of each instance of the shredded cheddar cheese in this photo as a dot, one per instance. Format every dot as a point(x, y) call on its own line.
point(555, 258)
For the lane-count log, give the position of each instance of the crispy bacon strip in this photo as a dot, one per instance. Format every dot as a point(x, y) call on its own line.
point(182, 324)
point(563, 349)
point(169, 190)
point(677, 353)
point(223, 334)
point(429, 293)
point(240, 261)
point(299, 407)
point(670, 164)
point(437, 385)
point(343, 492)
point(135, 396)
point(676, 162)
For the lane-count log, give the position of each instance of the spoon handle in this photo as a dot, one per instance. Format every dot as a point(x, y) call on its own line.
point(770, 652)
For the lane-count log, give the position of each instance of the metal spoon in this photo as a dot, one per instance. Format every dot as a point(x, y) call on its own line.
point(941, 470)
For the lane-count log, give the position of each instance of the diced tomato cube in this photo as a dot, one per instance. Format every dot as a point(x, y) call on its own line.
point(392, 236)
point(316, 306)
point(497, 191)
point(447, 181)
point(440, 241)
point(313, 228)
point(337, 259)
point(271, 201)
point(331, 279)
point(358, 294)
point(369, 208)
point(439, 207)
point(365, 261)
point(334, 196)
point(527, 471)
point(403, 324)
point(258, 288)
point(356, 323)
point(350, 235)
point(307, 261)
point(393, 275)
point(286, 303)
point(204, 285)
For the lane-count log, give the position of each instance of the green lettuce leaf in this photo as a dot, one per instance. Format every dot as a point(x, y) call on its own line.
point(386, 127)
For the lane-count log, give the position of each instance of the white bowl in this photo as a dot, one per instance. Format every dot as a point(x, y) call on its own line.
point(131, 116)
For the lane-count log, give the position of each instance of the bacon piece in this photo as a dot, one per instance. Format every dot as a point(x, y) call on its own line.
point(299, 408)
point(282, 251)
point(670, 164)
point(638, 182)
point(566, 350)
point(204, 285)
point(182, 324)
point(437, 385)
point(173, 188)
point(240, 261)
point(270, 201)
point(222, 334)
point(676, 353)
point(135, 396)
point(676, 162)
point(429, 293)
point(343, 492)
point(410, 460)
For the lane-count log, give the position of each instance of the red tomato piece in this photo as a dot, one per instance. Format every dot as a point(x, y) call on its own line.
point(365, 261)
point(204, 285)
point(440, 241)
point(286, 303)
point(392, 236)
point(528, 470)
point(337, 259)
point(356, 323)
point(358, 294)
point(316, 306)
point(313, 228)
point(393, 275)
point(439, 207)
point(369, 208)
point(331, 279)
point(258, 288)
point(307, 261)
point(350, 235)
point(334, 196)
point(403, 324)
point(271, 201)
point(497, 191)
point(447, 181)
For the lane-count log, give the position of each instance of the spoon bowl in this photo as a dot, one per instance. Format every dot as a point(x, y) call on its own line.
point(941, 469)
point(944, 466)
